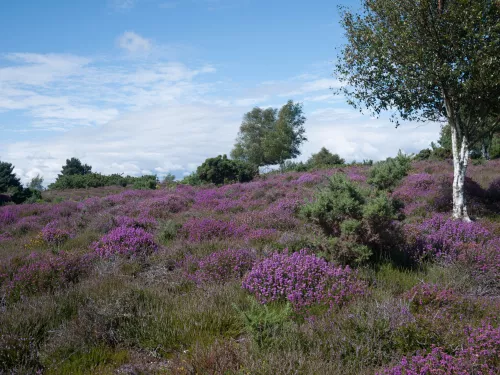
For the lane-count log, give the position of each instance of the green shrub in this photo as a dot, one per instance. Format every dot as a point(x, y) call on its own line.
point(167, 232)
point(221, 170)
point(265, 322)
point(324, 159)
point(145, 182)
point(358, 221)
point(385, 175)
point(95, 180)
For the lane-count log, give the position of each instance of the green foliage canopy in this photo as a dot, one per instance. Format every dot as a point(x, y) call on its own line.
point(221, 170)
point(8, 179)
point(324, 158)
point(74, 166)
point(270, 137)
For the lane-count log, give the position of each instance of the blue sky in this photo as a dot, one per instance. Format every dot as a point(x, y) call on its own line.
point(157, 86)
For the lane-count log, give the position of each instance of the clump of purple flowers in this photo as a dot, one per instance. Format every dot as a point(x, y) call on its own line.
point(220, 266)
point(442, 237)
point(481, 355)
point(42, 273)
point(426, 294)
point(126, 241)
point(53, 235)
point(302, 279)
point(198, 230)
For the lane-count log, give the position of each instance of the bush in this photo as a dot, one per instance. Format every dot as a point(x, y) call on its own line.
point(145, 182)
point(442, 237)
point(323, 159)
point(361, 221)
point(302, 279)
point(94, 180)
point(126, 241)
point(493, 191)
point(480, 355)
point(386, 175)
point(26, 195)
point(221, 170)
point(220, 266)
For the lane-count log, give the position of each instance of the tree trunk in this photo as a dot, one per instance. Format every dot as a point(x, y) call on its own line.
point(460, 147)
point(484, 150)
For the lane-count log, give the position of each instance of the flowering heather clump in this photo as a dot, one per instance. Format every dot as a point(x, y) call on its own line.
point(483, 262)
point(220, 266)
point(162, 207)
point(45, 273)
point(426, 294)
point(442, 237)
point(308, 179)
point(302, 279)
point(53, 235)
point(480, 356)
point(198, 230)
point(126, 241)
point(8, 215)
point(142, 221)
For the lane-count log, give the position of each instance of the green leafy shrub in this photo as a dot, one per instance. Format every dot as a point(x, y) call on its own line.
point(324, 158)
point(167, 231)
point(145, 182)
point(386, 175)
point(221, 170)
point(265, 322)
point(358, 221)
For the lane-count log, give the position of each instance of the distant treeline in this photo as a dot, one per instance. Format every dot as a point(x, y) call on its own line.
point(94, 180)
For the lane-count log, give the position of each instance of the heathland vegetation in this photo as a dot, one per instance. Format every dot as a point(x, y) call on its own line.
point(317, 267)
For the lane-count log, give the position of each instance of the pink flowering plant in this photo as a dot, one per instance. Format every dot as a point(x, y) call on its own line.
point(303, 279)
point(219, 266)
point(126, 241)
point(480, 355)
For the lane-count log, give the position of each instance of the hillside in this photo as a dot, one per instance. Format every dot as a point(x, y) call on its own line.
point(243, 279)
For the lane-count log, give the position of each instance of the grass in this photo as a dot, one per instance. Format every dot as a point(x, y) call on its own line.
point(143, 315)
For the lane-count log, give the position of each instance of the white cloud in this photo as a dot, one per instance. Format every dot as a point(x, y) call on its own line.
point(134, 115)
point(134, 43)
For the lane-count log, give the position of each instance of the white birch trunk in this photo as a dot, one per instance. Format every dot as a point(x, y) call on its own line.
point(460, 149)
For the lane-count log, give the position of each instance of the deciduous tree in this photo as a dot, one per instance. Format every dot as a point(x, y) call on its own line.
point(436, 60)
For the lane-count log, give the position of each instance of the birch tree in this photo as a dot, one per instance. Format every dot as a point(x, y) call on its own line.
point(427, 60)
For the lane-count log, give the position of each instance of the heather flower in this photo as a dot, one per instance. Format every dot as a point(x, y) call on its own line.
point(481, 356)
point(206, 229)
point(45, 273)
point(442, 237)
point(127, 241)
point(52, 235)
point(425, 294)
point(302, 279)
point(220, 266)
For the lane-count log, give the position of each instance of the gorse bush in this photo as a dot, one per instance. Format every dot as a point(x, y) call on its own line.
point(303, 280)
point(385, 175)
point(360, 221)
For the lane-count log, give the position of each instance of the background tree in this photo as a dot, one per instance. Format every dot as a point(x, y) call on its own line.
point(74, 166)
point(36, 183)
point(324, 158)
point(221, 170)
point(431, 60)
point(269, 137)
point(8, 179)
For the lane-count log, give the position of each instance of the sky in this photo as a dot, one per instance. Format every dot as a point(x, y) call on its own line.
point(157, 86)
